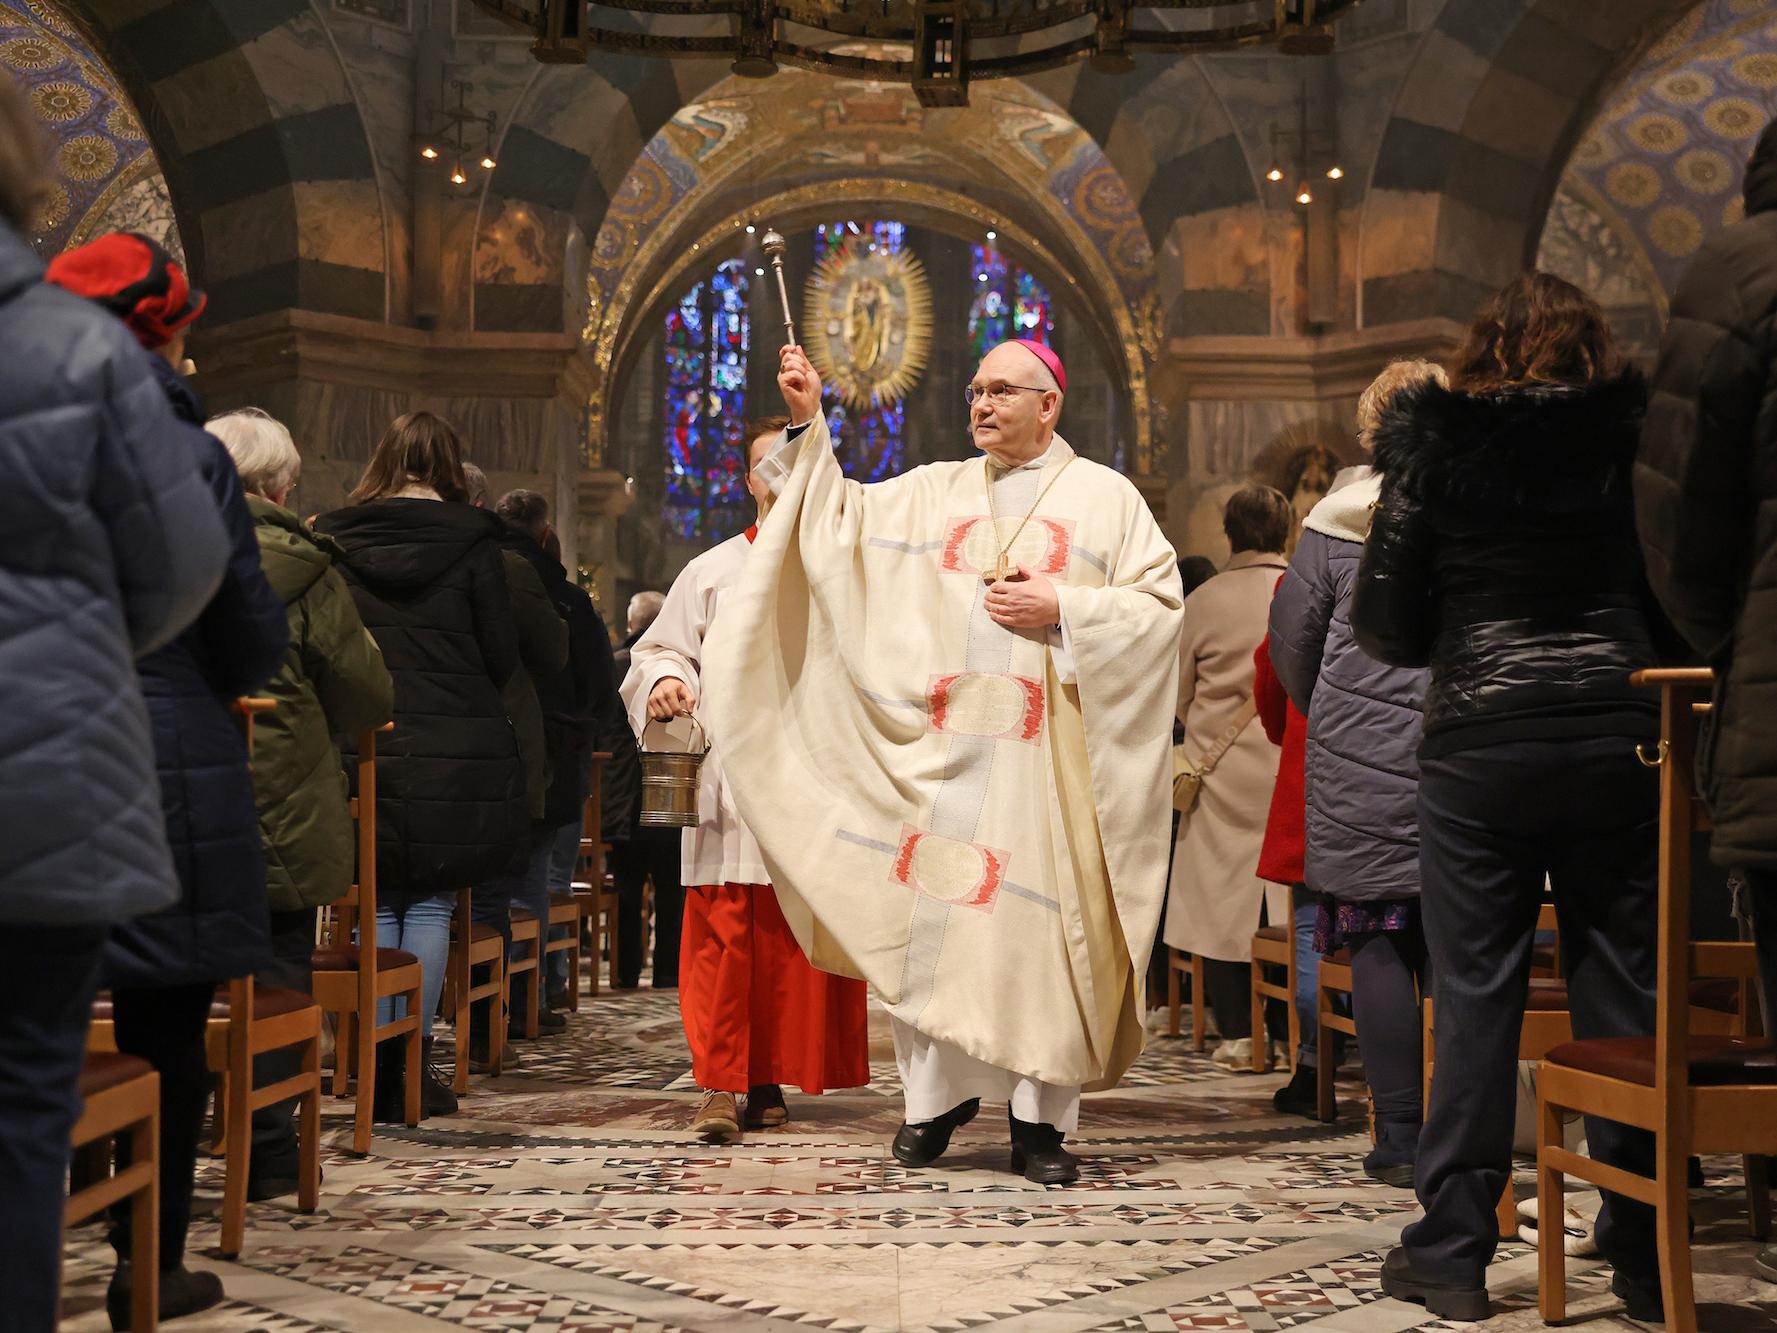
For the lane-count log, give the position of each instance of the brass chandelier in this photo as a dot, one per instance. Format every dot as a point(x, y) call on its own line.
point(937, 46)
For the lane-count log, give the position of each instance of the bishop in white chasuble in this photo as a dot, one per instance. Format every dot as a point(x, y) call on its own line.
point(961, 785)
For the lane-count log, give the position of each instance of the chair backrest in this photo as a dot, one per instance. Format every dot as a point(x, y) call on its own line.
point(1683, 695)
point(361, 912)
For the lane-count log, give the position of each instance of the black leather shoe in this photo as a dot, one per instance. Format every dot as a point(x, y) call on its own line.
point(182, 1292)
point(921, 1145)
point(1644, 1304)
point(1046, 1166)
point(1446, 1300)
point(1037, 1154)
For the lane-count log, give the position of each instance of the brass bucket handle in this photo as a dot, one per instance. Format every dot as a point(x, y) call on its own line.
point(700, 732)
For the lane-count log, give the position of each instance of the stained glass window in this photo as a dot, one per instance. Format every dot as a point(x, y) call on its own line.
point(1009, 302)
point(706, 407)
point(869, 441)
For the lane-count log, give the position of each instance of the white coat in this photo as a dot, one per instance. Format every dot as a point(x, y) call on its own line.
point(1213, 906)
point(719, 850)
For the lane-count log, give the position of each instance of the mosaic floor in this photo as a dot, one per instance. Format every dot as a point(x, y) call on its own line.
point(567, 1198)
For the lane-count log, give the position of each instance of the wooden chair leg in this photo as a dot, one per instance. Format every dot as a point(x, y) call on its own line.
point(1506, 1213)
point(1673, 1224)
point(308, 1131)
point(1551, 1206)
point(1173, 1000)
point(238, 1134)
point(573, 978)
point(345, 1051)
point(145, 1226)
point(364, 1052)
point(1326, 1101)
point(496, 1027)
point(219, 1114)
point(1758, 1196)
point(1293, 1028)
point(1199, 1006)
point(1261, 1039)
point(412, 1064)
point(461, 1017)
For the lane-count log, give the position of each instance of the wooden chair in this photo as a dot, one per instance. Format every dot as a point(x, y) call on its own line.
point(1695, 1094)
point(121, 1097)
point(1182, 964)
point(594, 894)
point(1275, 945)
point(472, 946)
point(564, 917)
point(527, 934)
point(352, 974)
point(248, 1020)
point(1332, 979)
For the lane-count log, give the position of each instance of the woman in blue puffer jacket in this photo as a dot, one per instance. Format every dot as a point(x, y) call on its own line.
point(163, 968)
point(1361, 785)
point(110, 545)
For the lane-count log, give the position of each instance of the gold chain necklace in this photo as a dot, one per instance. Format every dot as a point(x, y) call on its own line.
point(1002, 567)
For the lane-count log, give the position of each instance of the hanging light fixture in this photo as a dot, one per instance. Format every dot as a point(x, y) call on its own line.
point(453, 134)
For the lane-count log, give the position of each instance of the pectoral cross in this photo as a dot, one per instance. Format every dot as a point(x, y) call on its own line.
point(1002, 569)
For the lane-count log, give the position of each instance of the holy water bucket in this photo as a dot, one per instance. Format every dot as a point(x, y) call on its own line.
point(669, 783)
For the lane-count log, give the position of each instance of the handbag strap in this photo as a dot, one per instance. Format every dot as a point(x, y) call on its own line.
point(1248, 711)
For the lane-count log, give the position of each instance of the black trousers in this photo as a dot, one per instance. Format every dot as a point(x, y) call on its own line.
point(1493, 822)
point(165, 1027)
point(48, 977)
point(650, 854)
point(291, 967)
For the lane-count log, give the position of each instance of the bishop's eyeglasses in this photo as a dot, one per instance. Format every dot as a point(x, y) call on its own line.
point(997, 393)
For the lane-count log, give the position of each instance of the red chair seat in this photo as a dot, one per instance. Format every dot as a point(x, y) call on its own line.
point(346, 959)
point(1720, 994)
point(268, 1001)
point(1714, 1061)
point(104, 1070)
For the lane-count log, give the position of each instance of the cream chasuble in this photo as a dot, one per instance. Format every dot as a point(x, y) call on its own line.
point(942, 815)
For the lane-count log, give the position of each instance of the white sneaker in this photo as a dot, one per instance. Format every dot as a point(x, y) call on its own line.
point(1235, 1055)
point(1578, 1239)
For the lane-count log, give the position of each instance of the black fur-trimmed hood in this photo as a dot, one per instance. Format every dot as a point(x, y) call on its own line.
point(1544, 449)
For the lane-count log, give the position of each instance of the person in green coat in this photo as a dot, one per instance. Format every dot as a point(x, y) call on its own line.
point(332, 683)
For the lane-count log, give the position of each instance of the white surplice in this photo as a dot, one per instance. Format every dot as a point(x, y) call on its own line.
point(719, 850)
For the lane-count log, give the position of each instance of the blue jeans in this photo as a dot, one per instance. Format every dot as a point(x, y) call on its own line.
point(1306, 907)
point(48, 976)
point(564, 855)
point(421, 926)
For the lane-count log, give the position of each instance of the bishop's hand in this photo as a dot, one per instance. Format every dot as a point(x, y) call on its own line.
point(801, 385)
point(1023, 600)
point(670, 698)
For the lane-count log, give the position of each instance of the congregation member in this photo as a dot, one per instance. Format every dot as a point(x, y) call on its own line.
point(425, 570)
point(542, 652)
point(1218, 898)
point(332, 682)
point(1503, 556)
point(1706, 500)
point(113, 544)
point(578, 702)
point(944, 704)
point(1361, 777)
point(163, 968)
point(640, 856)
point(1280, 862)
point(756, 1014)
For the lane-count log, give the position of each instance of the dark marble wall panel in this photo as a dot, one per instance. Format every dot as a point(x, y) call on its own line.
point(187, 32)
point(1214, 176)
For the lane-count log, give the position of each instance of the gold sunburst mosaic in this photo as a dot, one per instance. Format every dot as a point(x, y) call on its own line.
point(61, 100)
point(868, 326)
point(87, 157)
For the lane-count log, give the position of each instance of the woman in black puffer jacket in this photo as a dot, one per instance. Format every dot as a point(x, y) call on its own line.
point(1503, 555)
point(425, 570)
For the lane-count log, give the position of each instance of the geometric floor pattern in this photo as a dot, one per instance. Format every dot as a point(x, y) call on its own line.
point(566, 1197)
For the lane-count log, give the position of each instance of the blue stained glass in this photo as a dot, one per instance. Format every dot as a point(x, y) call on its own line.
point(1009, 302)
point(705, 408)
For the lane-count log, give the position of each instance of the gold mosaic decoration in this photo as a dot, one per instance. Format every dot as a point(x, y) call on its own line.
point(868, 327)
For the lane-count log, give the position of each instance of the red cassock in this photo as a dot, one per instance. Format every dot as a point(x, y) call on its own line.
point(755, 1010)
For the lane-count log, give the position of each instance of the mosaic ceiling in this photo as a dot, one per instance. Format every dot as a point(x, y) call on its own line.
point(104, 173)
point(1663, 164)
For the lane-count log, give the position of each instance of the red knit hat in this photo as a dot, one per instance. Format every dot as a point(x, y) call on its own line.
point(136, 280)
